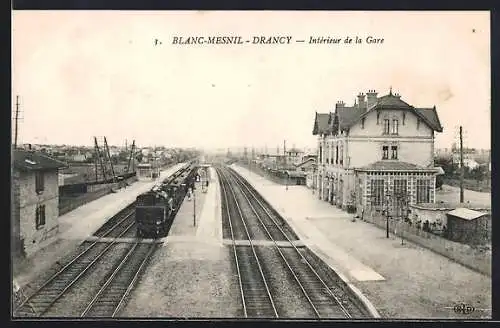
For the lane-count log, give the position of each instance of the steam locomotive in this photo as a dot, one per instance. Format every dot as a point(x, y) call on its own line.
point(155, 209)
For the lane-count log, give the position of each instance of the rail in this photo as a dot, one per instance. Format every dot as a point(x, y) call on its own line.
point(224, 193)
point(252, 299)
point(60, 289)
point(110, 297)
point(240, 182)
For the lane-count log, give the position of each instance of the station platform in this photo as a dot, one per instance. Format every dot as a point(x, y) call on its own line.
point(191, 273)
point(207, 225)
point(78, 225)
point(399, 281)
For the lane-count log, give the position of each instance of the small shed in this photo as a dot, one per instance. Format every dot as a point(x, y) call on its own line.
point(148, 171)
point(468, 226)
point(296, 177)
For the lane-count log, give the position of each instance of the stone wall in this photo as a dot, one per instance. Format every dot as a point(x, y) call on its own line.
point(437, 212)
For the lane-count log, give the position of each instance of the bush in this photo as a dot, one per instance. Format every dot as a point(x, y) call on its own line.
point(351, 209)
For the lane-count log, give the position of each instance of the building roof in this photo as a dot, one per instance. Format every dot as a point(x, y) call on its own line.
point(349, 115)
point(346, 116)
point(306, 161)
point(26, 160)
point(439, 170)
point(321, 123)
point(431, 117)
point(391, 101)
point(466, 214)
point(394, 165)
point(295, 174)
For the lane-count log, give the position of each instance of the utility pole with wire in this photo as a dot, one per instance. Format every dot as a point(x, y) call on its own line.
point(461, 167)
point(16, 123)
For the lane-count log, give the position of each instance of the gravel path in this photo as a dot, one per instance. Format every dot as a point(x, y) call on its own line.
point(187, 279)
point(451, 194)
point(426, 285)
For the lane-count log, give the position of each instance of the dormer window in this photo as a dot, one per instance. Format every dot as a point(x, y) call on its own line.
point(386, 126)
point(395, 126)
point(363, 123)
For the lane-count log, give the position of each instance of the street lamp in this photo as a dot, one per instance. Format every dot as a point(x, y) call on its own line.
point(314, 179)
point(194, 208)
point(388, 195)
point(286, 181)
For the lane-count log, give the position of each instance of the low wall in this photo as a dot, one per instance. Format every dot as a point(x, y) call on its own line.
point(436, 212)
point(477, 259)
point(67, 204)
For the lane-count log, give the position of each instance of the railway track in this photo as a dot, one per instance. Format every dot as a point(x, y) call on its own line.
point(255, 295)
point(324, 301)
point(112, 296)
point(45, 296)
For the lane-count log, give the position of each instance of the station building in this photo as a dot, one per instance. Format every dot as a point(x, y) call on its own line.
point(376, 154)
point(148, 171)
point(34, 201)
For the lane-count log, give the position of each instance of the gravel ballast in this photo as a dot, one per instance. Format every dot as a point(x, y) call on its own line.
point(187, 279)
point(75, 300)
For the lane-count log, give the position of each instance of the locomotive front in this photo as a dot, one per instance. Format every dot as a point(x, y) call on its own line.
point(151, 213)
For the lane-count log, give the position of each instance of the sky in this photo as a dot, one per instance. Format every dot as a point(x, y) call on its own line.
point(82, 74)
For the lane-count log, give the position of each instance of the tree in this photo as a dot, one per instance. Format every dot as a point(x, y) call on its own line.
point(478, 173)
point(447, 164)
point(439, 182)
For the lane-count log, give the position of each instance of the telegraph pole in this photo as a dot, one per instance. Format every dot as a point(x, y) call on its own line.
point(194, 207)
point(461, 167)
point(17, 119)
point(286, 168)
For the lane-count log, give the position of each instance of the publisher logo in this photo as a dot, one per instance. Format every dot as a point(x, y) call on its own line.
point(463, 308)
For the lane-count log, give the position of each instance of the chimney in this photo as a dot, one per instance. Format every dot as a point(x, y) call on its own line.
point(361, 100)
point(339, 104)
point(397, 95)
point(371, 98)
point(29, 146)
